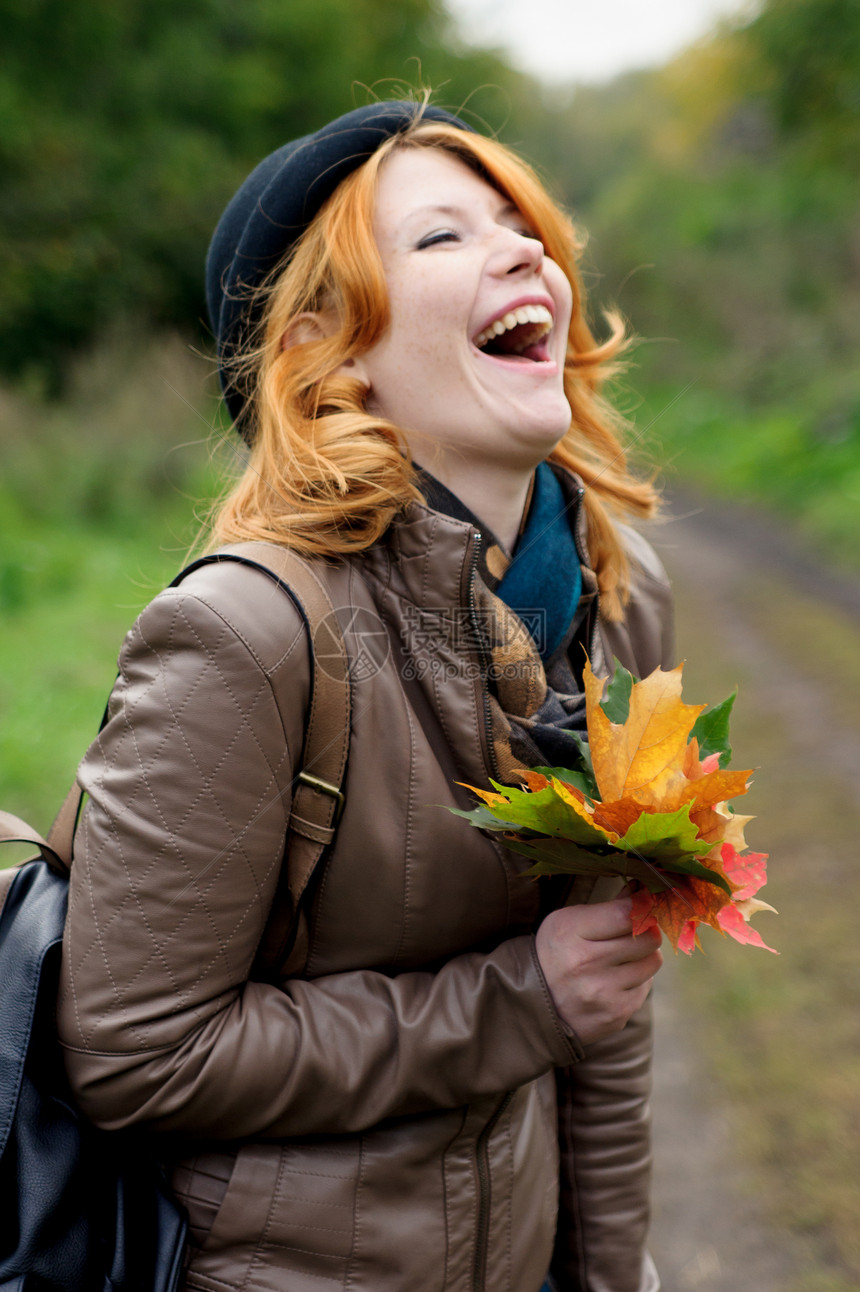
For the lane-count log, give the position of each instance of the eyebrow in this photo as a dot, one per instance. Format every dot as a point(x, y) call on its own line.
point(444, 208)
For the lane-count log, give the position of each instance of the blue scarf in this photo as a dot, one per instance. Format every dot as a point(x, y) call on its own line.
point(543, 583)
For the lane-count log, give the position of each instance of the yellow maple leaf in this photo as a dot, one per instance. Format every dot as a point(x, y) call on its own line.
point(642, 757)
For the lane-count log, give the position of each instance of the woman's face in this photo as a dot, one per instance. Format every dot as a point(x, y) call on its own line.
point(460, 266)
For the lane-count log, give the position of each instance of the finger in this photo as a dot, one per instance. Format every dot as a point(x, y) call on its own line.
point(638, 947)
point(605, 920)
point(635, 974)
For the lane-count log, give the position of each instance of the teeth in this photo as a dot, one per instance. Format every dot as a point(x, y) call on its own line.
point(514, 318)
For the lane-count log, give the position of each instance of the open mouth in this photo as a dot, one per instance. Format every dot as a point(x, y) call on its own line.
point(520, 334)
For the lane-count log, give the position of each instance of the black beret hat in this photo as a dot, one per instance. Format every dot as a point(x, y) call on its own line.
point(275, 205)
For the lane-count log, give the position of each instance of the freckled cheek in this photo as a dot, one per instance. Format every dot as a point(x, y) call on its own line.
point(428, 318)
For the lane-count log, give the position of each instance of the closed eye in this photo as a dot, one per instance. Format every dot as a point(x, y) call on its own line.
point(438, 235)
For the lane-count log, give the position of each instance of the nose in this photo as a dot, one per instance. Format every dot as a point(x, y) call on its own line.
point(520, 253)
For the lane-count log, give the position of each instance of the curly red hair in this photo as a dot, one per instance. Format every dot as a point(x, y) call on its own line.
point(325, 476)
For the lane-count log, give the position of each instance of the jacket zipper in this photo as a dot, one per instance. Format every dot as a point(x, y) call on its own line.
point(481, 1152)
point(482, 1160)
point(484, 657)
point(482, 1157)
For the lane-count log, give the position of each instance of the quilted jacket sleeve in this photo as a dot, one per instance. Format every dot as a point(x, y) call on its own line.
point(176, 863)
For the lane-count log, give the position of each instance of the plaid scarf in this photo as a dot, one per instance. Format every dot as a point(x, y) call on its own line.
point(534, 610)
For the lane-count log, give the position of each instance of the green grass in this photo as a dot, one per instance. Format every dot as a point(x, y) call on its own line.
point(97, 513)
point(58, 654)
point(800, 459)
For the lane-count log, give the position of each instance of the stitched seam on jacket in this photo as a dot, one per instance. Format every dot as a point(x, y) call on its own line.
point(256, 1256)
point(194, 881)
point(273, 1243)
point(427, 550)
point(264, 801)
point(330, 1206)
point(445, 1198)
point(572, 1042)
point(353, 1251)
point(191, 1282)
point(117, 1054)
point(176, 716)
point(237, 631)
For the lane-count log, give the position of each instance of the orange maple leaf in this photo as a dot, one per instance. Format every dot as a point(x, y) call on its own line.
point(618, 816)
point(535, 781)
point(677, 910)
point(717, 825)
point(491, 797)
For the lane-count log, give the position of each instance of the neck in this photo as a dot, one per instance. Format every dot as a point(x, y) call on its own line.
point(496, 496)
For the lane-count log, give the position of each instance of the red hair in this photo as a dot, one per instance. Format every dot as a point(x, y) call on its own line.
point(326, 477)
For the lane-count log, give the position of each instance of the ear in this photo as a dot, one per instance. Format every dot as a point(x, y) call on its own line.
point(317, 325)
point(309, 326)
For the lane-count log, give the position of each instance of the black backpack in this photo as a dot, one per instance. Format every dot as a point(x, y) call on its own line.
point(82, 1209)
point(87, 1210)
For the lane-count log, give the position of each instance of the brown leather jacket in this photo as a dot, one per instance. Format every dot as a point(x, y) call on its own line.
point(410, 1113)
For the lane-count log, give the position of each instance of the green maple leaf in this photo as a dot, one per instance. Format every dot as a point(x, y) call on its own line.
point(544, 812)
point(711, 729)
point(483, 819)
point(582, 779)
point(616, 702)
point(585, 761)
point(564, 857)
point(669, 841)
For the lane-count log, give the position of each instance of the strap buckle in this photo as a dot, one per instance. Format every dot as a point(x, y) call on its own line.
point(324, 787)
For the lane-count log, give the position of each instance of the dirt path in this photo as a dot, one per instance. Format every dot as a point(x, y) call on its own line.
point(754, 608)
point(709, 1233)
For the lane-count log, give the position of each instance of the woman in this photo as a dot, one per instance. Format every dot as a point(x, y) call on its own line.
point(450, 1091)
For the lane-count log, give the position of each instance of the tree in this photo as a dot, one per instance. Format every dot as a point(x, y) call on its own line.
point(130, 124)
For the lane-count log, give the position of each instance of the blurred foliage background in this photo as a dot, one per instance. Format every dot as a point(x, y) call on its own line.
point(721, 193)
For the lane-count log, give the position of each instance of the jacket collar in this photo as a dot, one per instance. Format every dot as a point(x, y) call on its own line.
point(436, 546)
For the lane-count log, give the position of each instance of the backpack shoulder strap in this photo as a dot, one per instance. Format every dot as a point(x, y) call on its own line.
point(317, 793)
point(14, 830)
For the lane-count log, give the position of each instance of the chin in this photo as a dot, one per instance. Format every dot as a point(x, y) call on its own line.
point(543, 436)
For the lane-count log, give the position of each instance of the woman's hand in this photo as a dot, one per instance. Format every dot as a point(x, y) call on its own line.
point(597, 972)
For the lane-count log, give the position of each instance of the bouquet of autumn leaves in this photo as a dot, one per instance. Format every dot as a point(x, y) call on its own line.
point(649, 802)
